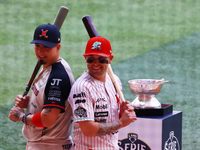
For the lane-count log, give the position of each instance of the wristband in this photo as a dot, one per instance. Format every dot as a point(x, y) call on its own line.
point(37, 120)
point(24, 118)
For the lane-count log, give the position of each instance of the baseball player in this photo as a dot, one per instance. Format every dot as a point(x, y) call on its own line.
point(48, 119)
point(95, 102)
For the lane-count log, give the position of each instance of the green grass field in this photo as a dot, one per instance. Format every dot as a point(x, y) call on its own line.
point(150, 39)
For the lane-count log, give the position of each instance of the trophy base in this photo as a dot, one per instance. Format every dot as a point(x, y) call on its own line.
point(162, 111)
point(151, 103)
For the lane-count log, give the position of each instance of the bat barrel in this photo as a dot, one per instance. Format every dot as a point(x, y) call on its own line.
point(61, 15)
point(90, 27)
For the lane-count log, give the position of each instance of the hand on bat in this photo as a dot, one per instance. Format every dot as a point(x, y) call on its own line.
point(16, 114)
point(21, 101)
point(127, 113)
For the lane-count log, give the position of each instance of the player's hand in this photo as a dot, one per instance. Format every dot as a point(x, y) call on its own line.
point(21, 101)
point(16, 114)
point(126, 106)
point(127, 113)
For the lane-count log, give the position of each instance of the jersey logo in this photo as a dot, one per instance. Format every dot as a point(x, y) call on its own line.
point(82, 94)
point(96, 45)
point(100, 120)
point(35, 91)
point(102, 106)
point(80, 101)
point(44, 33)
point(67, 146)
point(101, 99)
point(56, 82)
point(101, 114)
point(80, 112)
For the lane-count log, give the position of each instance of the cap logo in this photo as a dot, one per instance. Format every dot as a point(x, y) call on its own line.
point(44, 33)
point(97, 45)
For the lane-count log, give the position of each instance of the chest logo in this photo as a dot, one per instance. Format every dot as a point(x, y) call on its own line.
point(56, 82)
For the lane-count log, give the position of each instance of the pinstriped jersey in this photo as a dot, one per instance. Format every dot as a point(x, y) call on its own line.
point(94, 100)
point(51, 89)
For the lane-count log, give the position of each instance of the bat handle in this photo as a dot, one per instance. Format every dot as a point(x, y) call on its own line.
point(26, 90)
point(111, 74)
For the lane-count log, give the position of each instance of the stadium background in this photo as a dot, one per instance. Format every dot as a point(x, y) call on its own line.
point(150, 39)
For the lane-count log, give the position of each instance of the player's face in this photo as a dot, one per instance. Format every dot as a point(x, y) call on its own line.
point(49, 55)
point(97, 66)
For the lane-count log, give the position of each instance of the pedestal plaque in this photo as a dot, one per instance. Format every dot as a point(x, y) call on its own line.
point(153, 133)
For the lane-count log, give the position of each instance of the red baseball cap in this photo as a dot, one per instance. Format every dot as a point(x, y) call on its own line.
point(98, 46)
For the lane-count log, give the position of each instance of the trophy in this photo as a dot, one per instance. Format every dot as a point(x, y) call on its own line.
point(145, 90)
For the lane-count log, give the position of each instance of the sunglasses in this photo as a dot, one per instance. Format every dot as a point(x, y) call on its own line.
point(102, 61)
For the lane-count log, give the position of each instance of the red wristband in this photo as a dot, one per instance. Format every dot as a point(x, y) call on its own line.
point(36, 119)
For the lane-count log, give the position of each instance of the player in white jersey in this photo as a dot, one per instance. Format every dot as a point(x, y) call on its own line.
point(95, 102)
point(48, 119)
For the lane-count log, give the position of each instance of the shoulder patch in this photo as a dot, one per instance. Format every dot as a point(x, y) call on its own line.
point(80, 112)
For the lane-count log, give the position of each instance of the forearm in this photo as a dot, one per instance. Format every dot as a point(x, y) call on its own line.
point(91, 128)
point(106, 128)
point(46, 118)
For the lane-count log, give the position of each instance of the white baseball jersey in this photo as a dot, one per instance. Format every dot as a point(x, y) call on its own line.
point(50, 90)
point(94, 100)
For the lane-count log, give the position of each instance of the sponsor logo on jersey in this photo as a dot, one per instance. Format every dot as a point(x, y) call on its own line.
point(35, 91)
point(100, 120)
point(172, 143)
point(101, 99)
point(102, 107)
point(78, 101)
point(80, 112)
point(54, 99)
point(82, 94)
point(132, 143)
point(33, 105)
point(101, 114)
point(67, 146)
point(56, 82)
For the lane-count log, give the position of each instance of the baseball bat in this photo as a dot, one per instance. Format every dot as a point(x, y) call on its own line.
point(92, 32)
point(59, 19)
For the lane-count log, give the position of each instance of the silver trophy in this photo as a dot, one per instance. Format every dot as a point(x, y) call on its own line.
point(145, 90)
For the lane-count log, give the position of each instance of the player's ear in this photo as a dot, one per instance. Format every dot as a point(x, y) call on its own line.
point(111, 57)
point(58, 46)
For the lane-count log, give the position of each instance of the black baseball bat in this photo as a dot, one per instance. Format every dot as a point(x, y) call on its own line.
point(92, 32)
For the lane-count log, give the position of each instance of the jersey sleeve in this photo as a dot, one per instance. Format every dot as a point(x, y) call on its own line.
point(57, 88)
point(81, 103)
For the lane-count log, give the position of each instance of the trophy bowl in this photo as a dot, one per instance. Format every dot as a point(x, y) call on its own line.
point(145, 90)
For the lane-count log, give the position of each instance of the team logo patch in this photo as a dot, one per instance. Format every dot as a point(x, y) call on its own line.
point(44, 33)
point(172, 142)
point(35, 90)
point(97, 45)
point(132, 143)
point(80, 112)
